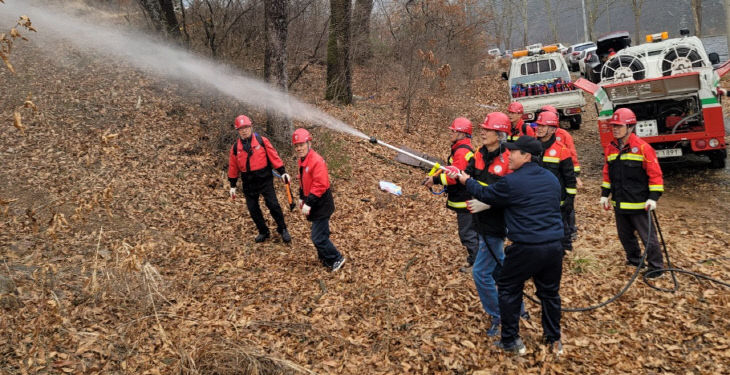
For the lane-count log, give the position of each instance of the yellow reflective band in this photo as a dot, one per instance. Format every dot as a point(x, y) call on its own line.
point(443, 179)
point(456, 204)
point(469, 155)
point(550, 159)
point(576, 168)
point(612, 157)
point(631, 206)
point(482, 183)
point(606, 185)
point(636, 157)
point(571, 190)
point(656, 187)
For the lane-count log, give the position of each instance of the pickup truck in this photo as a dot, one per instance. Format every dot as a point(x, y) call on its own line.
point(540, 77)
point(672, 87)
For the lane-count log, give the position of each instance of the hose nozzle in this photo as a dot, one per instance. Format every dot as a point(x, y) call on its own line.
point(373, 140)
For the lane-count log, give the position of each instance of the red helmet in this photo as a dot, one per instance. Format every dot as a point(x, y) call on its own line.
point(242, 121)
point(623, 116)
point(548, 119)
point(549, 108)
point(461, 124)
point(300, 136)
point(516, 107)
point(497, 121)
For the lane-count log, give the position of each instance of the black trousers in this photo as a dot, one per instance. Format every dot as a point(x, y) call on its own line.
point(326, 250)
point(468, 235)
point(567, 212)
point(627, 226)
point(252, 191)
point(544, 264)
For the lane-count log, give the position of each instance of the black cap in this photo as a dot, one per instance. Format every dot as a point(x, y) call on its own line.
point(526, 143)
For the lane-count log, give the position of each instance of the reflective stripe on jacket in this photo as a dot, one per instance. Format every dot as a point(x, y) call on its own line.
point(631, 175)
point(520, 129)
point(565, 138)
point(557, 159)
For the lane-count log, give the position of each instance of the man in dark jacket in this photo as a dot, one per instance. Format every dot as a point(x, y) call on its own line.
point(315, 198)
point(530, 197)
point(253, 157)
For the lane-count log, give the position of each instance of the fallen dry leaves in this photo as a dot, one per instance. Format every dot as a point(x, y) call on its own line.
point(123, 254)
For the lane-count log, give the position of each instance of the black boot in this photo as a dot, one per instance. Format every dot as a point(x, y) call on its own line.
point(285, 236)
point(262, 237)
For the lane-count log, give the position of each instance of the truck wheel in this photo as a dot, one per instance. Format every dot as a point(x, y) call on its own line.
point(575, 122)
point(717, 159)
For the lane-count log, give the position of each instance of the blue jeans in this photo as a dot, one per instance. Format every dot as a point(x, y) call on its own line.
point(326, 251)
point(483, 270)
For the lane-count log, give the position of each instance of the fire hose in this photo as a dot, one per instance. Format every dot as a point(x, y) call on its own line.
point(672, 270)
point(436, 168)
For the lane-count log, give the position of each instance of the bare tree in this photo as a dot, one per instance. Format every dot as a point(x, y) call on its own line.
point(339, 77)
point(697, 16)
point(636, 6)
point(362, 47)
point(595, 9)
point(552, 20)
point(218, 19)
point(276, 14)
point(501, 21)
point(525, 21)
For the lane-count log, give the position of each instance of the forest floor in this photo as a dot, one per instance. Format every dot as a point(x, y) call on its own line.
point(123, 254)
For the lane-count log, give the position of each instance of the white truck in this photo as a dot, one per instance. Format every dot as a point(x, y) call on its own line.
point(672, 87)
point(540, 77)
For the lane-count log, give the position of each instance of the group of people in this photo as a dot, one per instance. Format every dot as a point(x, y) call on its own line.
point(252, 157)
point(519, 184)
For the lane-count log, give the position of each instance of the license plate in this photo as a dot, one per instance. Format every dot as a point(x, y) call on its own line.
point(669, 153)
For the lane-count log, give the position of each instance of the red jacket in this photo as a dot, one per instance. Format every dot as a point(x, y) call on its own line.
point(563, 136)
point(251, 161)
point(631, 175)
point(520, 129)
point(315, 186)
point(556, 158)
point(487, 168)
point(461, 153)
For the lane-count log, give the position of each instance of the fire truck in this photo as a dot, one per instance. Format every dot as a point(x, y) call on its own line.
point(672, 87)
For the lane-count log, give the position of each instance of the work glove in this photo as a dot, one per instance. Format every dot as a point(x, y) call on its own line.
point(475, 206)
point(650, 205)
point(233, 193)
point(306, 209)
point(286, 178)
point(300, 203)
point(605, 203)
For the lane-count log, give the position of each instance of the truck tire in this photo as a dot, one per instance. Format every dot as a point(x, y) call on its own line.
point(575, 122)
point(717, 159)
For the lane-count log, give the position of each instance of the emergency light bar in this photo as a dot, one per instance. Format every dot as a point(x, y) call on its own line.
point(524, 52)
point(658, 37)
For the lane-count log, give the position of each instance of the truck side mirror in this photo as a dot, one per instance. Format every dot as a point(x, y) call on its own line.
point(714, 58)
point(504, 76)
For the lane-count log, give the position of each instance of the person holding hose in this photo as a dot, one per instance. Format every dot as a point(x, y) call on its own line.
point(490, 163)
point(461, 153)
point(633, 179)
point(315, 198)
point(530, 197)
point(253, 157)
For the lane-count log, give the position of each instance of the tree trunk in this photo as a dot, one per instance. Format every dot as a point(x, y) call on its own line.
point(525, 23)
point(169, 18)
point(697, 15)
point(551, 20)
point(276, 14)
point(362, 46)
point(636, 6)
point(339, 79)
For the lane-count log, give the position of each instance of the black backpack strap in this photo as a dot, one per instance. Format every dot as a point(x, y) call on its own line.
point(524, 128)
point(260, 140)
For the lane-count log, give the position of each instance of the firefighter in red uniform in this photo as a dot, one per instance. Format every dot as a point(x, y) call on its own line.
point(315, 198)
point(562, 135)
point(519, 127)
point(489, 164)
point(633, 179)
point(461, 153)
point(253, 157)
point(556, 157)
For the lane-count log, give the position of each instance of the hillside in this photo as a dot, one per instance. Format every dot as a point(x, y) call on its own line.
point(122, 253)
